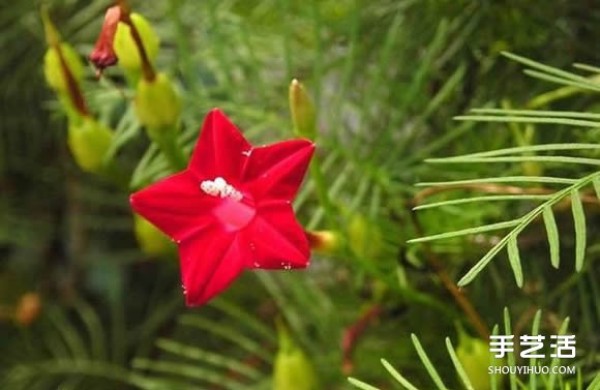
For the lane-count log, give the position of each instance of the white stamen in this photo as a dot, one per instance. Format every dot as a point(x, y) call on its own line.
point(219, 187)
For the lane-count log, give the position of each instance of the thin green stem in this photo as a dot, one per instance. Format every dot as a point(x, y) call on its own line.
point(166, 140)
point(316, 173)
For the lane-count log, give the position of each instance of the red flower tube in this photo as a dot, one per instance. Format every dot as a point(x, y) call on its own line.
point(103, 54)
point(230, 209)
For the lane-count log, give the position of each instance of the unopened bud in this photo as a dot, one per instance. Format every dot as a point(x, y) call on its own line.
point(151, 240)
point(475, 356)
point(303, 111)
point(89, 140)
point(156, 102)
point(126, 47)
point(28, 309)
point(63, 69)
point(292, 369)
point(325, 241)
point(54, 71)
point(103, 54)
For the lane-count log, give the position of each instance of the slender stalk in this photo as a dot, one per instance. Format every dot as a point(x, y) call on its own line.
point(316, 173)
point(147, 68)
point(74, 91)
point(166, 139)
point(459, 296)
point(493, 189)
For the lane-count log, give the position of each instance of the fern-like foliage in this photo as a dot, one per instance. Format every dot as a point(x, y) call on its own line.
point(80, 352)
point(550, 380)
point(565, 189)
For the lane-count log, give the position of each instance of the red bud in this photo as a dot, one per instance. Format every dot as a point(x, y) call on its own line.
point(103, 54)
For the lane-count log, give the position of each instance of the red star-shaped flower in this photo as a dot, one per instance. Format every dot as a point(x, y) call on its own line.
point(231, 208)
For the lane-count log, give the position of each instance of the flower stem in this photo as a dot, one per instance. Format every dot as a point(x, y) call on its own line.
point(166, 140)
point(74, 91)
point(322, 191)
point(147, 69)
point(459, 296)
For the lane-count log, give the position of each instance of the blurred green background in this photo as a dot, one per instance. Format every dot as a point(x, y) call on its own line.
point(387, 78)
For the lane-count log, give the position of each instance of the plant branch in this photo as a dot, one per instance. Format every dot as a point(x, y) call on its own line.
point(461, 299)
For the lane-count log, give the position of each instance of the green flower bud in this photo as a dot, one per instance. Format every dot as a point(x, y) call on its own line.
point(303, 111)
point(126, 48)
point(292, 369)
point(54, 72)
point(152, 241)
point(475, 356)
point(157, 104)
point(89, 141)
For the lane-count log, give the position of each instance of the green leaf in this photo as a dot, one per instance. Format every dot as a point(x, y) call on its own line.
point(530, 149)
point(482, 263)
point(506, 179)
point(188, 371)
point(528, 119)
point(519, 159)
point(540, 113)
point(361, 385)
point(427, 363)
point(515, 259)
point(580, 229)
point(556, 361)
point(228, 333)
point(562, 81)
point(476, 199)
point(525, 220)
point(595, 385)
point(535, 330)
point(396, 375)
point(218, 360)
point(547, 69)
point(459, 368)
point(552, 234)
point(596, 184)
point(510, 356)
point(586, 67)
point(494, 378)
point(465, 232)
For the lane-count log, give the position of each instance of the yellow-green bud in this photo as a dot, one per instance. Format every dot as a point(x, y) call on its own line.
point(126, 48)
point(152, 241)
point(157, 103)
point(292, 369)
point(303, 111)
point(475, 356)
point(324, 241)
point(54, 72)
point(89, 141)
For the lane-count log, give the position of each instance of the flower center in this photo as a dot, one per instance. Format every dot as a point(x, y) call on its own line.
point(234, 211)
point(219, 187)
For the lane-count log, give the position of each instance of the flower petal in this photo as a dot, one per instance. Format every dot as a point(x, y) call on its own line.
point(276, 171)
point(276, 239)
point(210, 261)
point(221, 150)
point(176, 205)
